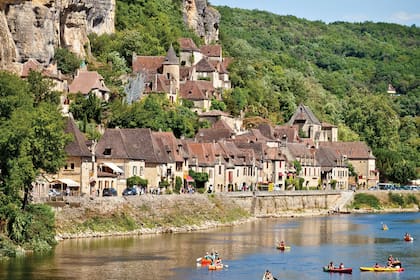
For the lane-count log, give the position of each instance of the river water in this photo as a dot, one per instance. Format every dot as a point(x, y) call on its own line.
point(247, 251)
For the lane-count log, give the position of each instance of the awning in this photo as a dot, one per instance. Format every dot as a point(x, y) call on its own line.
point(189, 178)
point(114, 167)
point(69, 182)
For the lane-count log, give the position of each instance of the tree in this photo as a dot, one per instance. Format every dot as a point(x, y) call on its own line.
point(67, 62)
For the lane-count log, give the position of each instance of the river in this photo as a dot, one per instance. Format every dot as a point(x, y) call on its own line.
point(247, 251)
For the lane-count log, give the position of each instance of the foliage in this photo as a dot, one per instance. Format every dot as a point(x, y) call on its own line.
point(67, 62)
point(136, 180)
point(178, 184)
point(297, 166)
point(200, 178)
point(90, 108)
point(32, 139)
point(340, 70)
point(363, 200)
point(396, 198)
point(155, 112)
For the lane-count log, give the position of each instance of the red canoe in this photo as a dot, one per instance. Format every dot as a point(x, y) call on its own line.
point(339, 270)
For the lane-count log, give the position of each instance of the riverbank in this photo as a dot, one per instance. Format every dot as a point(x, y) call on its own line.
point(158, 214)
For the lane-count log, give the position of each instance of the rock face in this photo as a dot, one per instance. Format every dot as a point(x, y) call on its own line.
point(204, 20)
point(33, 29)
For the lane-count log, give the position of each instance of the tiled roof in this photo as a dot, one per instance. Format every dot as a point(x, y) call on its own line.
point(213, 113)
point(202, 153)
point(171, 58)
point(87, 81)
point(352, 150)
point(187, 44)
point(290, 132)
point(185, 73)
point(211, 50)
point(148, 64)
point(77, 147)
point(299, 150)
point(266, 130)
point(204, 66)
point(303, 113)
point(253, 135)
point(169, 145)
point(328, 157)
point(196, 90)
point(29, 65)
point(221, 124)
point(212, 134)
point(129, 143)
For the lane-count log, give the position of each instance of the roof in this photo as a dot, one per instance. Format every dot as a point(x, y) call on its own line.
point(129, 143)
point(86, 81)
point(211, 50)
point(196, 90)
point(204, 66)
point(187, 44)
point(303, 113)
point(352, 150)
point(213, 113)
point(77, 147)
point(286, 132)
point(148, 64)
point(171, 58)
point(221, 124)
point(213, 134)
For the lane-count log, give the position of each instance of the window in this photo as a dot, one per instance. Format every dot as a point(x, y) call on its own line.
point(237, 173)
point(141, 171)
point(134, 170)
point(220, 170)
point(72, 166)
point(107, 151)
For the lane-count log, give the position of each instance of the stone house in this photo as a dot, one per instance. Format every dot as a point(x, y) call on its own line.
point(334, 170)
point(79, 171)
point(176, 157)
point(309, 126)
point(86, 82)
point(135, 153)
point(360, 156)
point(200, 93)
point(305, 155)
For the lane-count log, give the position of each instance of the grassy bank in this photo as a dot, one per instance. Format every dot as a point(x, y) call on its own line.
point(385, 201)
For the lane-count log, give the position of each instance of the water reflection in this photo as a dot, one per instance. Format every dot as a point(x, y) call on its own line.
point(248, 249)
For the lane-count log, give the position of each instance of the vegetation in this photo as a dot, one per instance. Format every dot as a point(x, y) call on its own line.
point(340, 70)
point(32, 140)
point(363, 200)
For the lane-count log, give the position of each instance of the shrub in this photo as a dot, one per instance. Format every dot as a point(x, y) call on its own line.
point(396, 199)
point(362, 199)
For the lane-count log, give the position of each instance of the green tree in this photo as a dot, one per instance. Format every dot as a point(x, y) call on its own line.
point(67, 62)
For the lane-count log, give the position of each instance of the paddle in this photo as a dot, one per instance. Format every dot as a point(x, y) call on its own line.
point(199, 259)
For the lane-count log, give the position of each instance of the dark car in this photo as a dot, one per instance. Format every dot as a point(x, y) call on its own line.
point(130, 191)
point(109, 192)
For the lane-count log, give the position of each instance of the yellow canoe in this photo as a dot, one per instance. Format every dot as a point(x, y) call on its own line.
point(381, 269)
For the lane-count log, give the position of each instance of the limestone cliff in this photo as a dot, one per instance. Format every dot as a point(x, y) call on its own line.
point(33, 29)
point(203, 19)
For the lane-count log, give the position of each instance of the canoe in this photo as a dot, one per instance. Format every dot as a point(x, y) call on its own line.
point(409, 238)
point(215, 266)
point(205, 262)
point(339, 270)
point(382, 269)
point(283, 248)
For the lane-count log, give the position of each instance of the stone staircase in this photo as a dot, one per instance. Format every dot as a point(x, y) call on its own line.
point(345, 198)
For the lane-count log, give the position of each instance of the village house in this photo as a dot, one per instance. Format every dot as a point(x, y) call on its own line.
point(360, 156)
point(86, 82)
point(79, 170)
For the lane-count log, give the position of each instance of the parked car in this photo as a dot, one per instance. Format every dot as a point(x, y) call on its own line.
point(53, 192)
point(109, 192)
point(130, 191)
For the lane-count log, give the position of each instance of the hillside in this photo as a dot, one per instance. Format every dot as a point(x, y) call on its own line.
point(340, 70)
